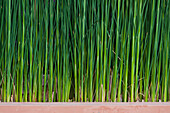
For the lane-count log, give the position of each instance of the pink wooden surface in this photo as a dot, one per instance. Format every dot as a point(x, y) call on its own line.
point(85, 107)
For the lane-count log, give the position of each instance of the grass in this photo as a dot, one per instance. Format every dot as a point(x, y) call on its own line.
point(96, 51)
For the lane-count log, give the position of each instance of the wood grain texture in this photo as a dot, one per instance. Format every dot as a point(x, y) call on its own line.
point(85, 107)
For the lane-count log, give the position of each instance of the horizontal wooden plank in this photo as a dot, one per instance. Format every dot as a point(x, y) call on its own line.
point(135, 107)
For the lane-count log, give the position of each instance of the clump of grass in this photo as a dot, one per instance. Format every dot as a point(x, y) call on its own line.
point(108, 50)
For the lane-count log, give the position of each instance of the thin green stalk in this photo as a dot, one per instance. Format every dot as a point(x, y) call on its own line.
point(22, 52)
point(9, 63)
point(142, 59)
point(121, 63)
point(101, 54)
point(25, 74)
point(35, 64)
point(108, 72)
point(87, 73)
point(31, 48)
point(39, 76)
point(155, 54)
point(98, 57)
point(167, 40)
point(116, 57)
point(58, 57)
point(6, 50)
point(19, 53)
point(138, 49)
point(149, 51)
point(166, 53)
point(80, 56)
point(46, 49)
point(141, 69)
point(64, 56)
point(67, 77)
point(64, 66)
point(75, 55)
point(40, 57)
point(159, 71)
point(105, 58)
point(91, 59)
point(123, 32)
point(83, 38)
point(127, 58)
point(51, 53)
point(163, 54)
point(133, 55)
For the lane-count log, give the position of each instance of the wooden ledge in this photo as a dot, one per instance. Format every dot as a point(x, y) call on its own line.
point(106, 107)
